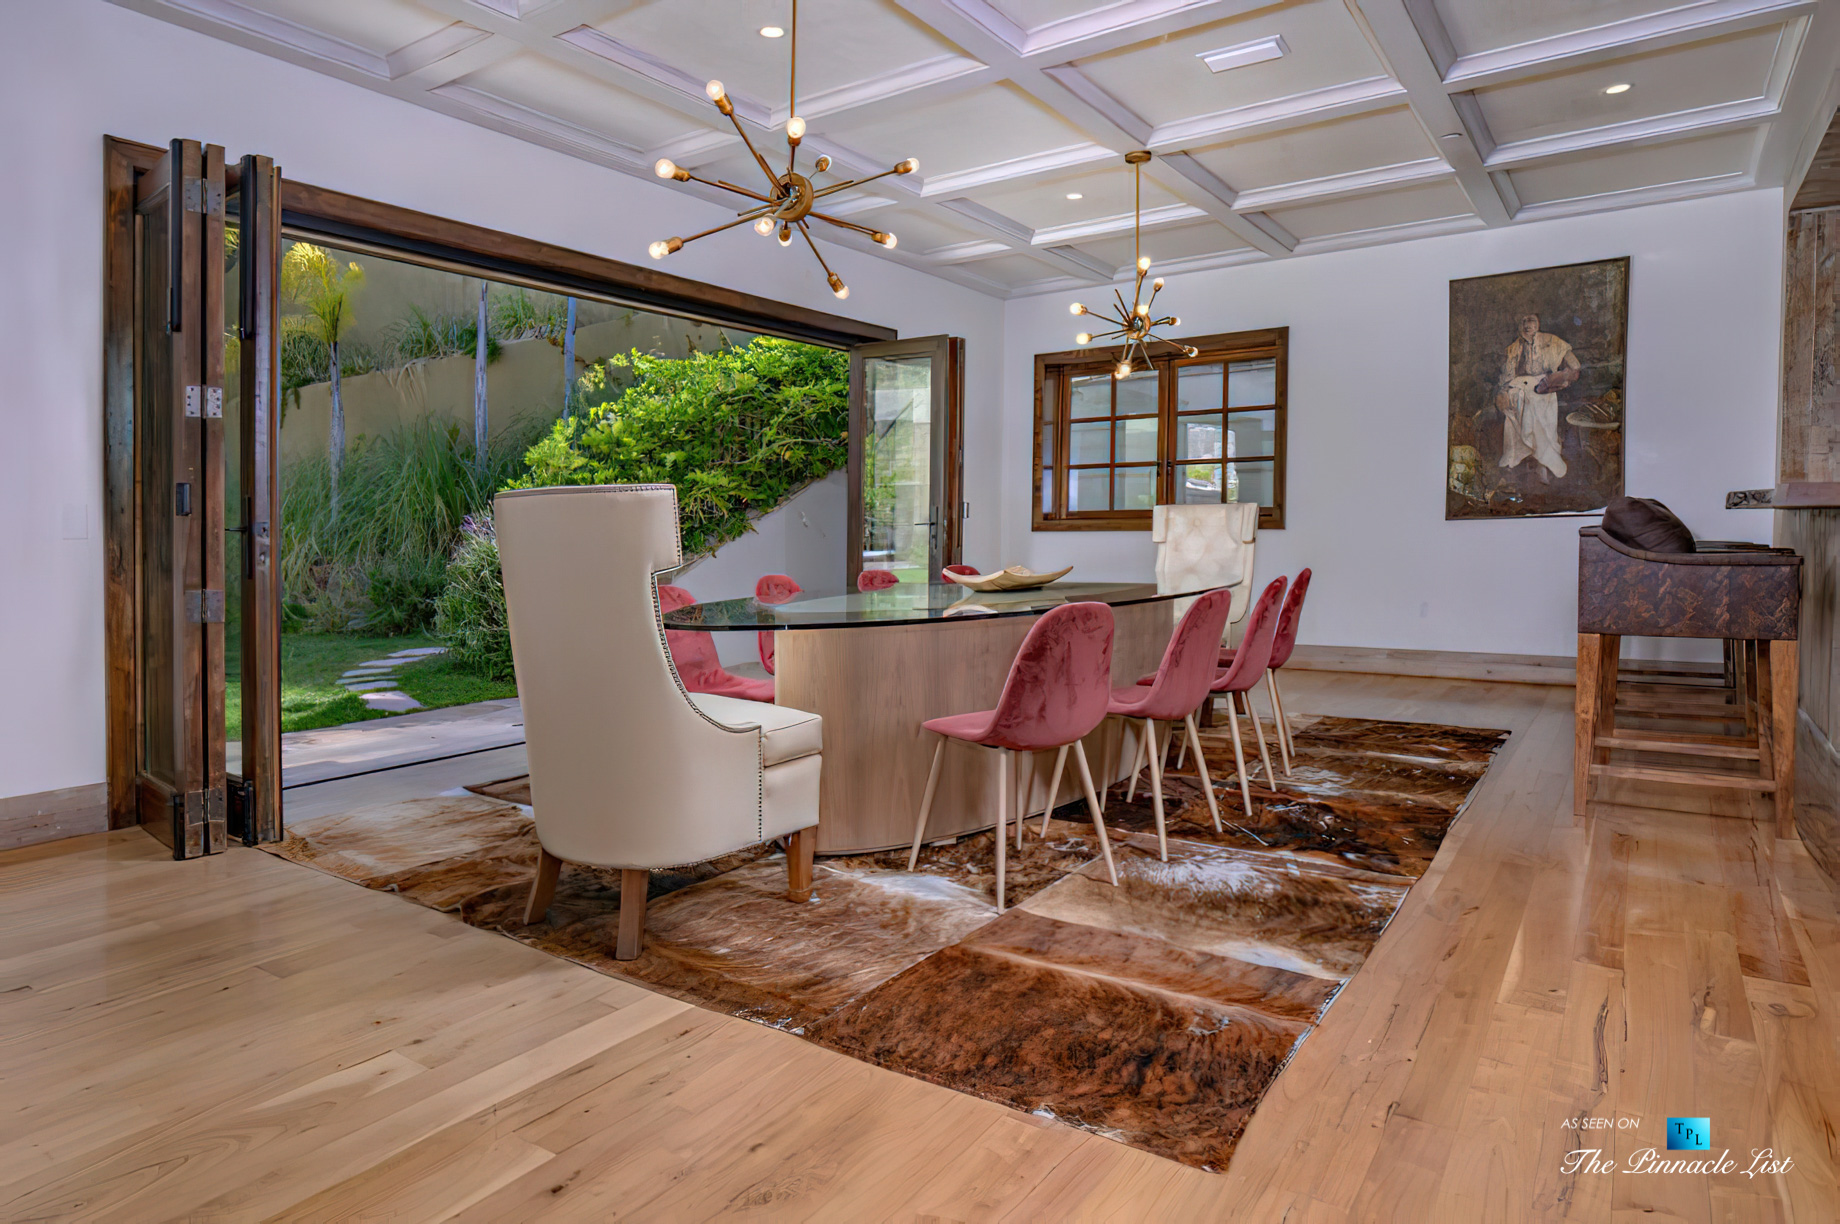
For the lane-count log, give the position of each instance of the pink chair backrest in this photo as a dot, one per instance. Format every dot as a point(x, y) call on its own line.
point(772, 589)
point(1286, 639)
point(1060, 683)
point(1254, 653)
point(1190, 660)
point(876, 580)
point(970, 570)
point(692, 650)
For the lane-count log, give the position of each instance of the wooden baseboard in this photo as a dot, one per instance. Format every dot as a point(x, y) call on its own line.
point(1443, 664)
point(49, 815)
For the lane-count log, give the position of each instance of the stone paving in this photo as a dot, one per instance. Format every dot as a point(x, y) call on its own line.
point(375, 681)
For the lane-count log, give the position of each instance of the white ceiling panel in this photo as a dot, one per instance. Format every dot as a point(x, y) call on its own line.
point(1105, 190)
point(1699, 74)
point(1164, 246)
point(1162, 81)
point(842, 43)
point(1377, 115)
point(1399, 207)
point(1484, 25)
point(1340, 146)
point(1595, 174)
point(544, 86)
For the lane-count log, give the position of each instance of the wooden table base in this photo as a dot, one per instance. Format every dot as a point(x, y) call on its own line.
point(875, 685)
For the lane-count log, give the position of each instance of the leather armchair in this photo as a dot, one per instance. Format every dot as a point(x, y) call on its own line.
point(1202, 548)
point(628, 769)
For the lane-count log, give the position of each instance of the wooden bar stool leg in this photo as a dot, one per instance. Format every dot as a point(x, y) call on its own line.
point(1207, 785)
point(799, 850)
point(1003, 767)
point(1156, 795)
point(1239, 760)
point(1098, 814)
point(926, 804)
point(1271, 779)
point(1277, 719)
point(1054, 788)
point(1785, 683)
point(1584, 716)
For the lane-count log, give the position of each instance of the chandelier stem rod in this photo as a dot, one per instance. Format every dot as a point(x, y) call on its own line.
point(803, 229)
point(751, 215)
point(842, 224)
point(1137, 223)
point(834, 188)
point(740, 131)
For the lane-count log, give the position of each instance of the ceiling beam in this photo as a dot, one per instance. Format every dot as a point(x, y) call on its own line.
point(1400, 45)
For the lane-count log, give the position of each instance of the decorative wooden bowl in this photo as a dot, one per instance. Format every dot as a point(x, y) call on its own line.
point(1015, 578)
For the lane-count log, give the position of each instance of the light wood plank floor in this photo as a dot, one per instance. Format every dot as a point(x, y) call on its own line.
point(242, 1038)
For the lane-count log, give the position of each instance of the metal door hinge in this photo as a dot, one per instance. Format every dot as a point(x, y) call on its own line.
point(204, 197)
point(204, 607)
point(204, 401)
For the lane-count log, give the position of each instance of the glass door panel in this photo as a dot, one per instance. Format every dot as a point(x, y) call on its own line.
point(905, 456)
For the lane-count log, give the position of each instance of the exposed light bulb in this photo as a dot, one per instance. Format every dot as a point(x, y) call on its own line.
point(838, 287)
point(1174, 321)
point(660, 249)
point(795, 128)
point(666, 168)
point(714, 90)
point(1123, 370)
point(887, 240)
point(1157, 285)
point(1083, 338)
point(824, 163)
point(785, 235)
point(907, 167)
point(1193, 351)
point(1143, 310)
point(1076, 308)
point(764, 226)
point(1143, 263)
point(772, 32)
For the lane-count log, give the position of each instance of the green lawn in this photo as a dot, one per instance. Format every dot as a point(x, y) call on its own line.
point(311, 664)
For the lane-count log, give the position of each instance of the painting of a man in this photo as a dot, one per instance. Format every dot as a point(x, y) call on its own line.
point(1536, 391)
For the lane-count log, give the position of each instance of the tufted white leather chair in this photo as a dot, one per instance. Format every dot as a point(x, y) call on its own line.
point(1199, 548)
point(627, 768)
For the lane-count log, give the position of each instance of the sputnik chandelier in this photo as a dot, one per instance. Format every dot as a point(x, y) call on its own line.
point(791, 199)
point(1135, 322)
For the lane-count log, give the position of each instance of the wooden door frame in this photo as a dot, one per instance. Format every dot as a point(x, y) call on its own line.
point(402, 233)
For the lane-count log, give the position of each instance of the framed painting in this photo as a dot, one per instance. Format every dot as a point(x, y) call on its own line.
point(1536, 391)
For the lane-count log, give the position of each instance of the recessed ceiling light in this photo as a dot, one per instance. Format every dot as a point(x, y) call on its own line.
point(1620, 87)
point(1074, 195)
point(771, 32)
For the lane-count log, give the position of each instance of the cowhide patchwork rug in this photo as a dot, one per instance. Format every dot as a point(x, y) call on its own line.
point(1157, 1013)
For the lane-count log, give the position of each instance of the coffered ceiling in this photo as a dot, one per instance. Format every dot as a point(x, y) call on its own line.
point(1280, 129)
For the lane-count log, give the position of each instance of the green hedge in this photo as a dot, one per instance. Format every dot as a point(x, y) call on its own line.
point(738, 431)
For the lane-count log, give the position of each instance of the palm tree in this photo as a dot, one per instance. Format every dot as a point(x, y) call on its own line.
point(313, 279)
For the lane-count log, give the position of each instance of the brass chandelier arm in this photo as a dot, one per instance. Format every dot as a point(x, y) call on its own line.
point(758, 159)
point(806, 230)
point(842, 224)
point(751, 215)
point(836, 187)
point(728, 186)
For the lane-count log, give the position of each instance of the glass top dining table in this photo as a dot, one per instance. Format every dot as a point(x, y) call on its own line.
point(907, 603)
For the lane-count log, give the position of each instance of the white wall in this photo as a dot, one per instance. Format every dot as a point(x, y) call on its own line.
point(74, 70)
point(1368, 392)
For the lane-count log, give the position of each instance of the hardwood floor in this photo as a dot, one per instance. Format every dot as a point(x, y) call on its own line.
point(240, 1038)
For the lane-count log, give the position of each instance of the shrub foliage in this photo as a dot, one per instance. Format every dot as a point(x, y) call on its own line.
point(738, 431)
point(470, 612)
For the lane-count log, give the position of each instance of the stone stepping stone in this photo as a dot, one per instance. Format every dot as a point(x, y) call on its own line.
point(371, 686)
point(394, 702)
point(367, 673)
point(419, 652)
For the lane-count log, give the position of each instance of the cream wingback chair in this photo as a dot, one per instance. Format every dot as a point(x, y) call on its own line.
point(1200, 548)
point(627, 768)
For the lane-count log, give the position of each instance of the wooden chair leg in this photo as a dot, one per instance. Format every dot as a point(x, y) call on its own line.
point(1024, 777)
point(799, 852)
point(1239, 760)
point(1098, 814)
point(633, 885)
point(1785, 682)
point(1156, 793)
point(1003, 767)
point(926, 803)
point(1138, 757)
point(1207, 785)
point(1584, 717)
point(1054, 788)
point(543, 888)
point(1277, 720)
point(1252, 715)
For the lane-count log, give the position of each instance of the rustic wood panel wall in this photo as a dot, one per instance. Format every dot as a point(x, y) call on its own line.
point(1808, 448)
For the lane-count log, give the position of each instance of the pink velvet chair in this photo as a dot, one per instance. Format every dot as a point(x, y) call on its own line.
point(876, 580)
point(773, 589)
point(1282, 644)
point(1248, 665)
point(1058, 688)
point(1172, 695)
point(693, 653)
point(957, 569)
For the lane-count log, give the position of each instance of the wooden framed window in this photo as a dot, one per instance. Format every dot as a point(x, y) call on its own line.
point(1184, 430)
